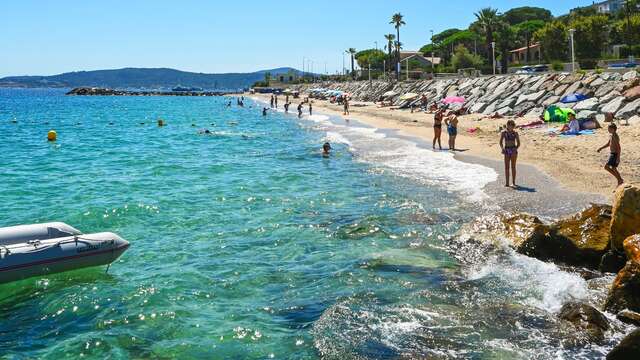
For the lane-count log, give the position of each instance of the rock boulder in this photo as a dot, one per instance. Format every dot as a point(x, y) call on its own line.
point(586, 318)
point(628, 348)
point(625, 218)
point(625, 291)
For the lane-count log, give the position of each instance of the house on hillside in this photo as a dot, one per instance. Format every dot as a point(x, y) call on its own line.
point(417, 56)
point(519, 56)
point(609, 6)
point(289, 77)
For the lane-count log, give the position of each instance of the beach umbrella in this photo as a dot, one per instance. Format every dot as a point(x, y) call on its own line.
point(409, 96)
point(571, 98)
point(453, 100)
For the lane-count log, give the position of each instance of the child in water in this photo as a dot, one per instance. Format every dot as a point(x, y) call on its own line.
point(510, 142)
point(264, 111)
point(326, 148)
point(615, 149)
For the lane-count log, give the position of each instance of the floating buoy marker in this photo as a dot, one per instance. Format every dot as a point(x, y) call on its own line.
point(52, 135)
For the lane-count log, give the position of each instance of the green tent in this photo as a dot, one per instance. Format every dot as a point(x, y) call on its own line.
point(556, 114)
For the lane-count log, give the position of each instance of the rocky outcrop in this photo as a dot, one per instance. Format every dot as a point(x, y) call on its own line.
point(587, 319)
point(625, 291)
point(629, 317)
point(628, 348)
point(508, 94)
point(626, 215)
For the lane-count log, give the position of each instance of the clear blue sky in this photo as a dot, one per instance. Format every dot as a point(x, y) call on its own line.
point(42, 37)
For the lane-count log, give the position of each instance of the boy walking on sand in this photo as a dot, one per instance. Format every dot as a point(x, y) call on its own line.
point(615, 149)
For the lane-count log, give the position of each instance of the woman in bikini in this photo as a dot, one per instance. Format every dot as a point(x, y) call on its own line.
point(452, 129)
point(437, 128)
point(510, 142)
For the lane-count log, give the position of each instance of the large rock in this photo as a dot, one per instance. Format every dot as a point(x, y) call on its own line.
point(628, 348)
point(586, 318)
point(551, 100)
point(631, 75)
point(589, 104)
point(625, 218)
point(629, 110)
point(586, 114)
point(625, 291)
point(632, 248)
point(613, 106)
point(632, 94)
point(477, 107)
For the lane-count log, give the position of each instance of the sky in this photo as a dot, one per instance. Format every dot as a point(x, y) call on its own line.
point(46, 37)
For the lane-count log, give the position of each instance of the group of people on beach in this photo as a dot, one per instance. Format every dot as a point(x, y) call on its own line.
point(450, 120)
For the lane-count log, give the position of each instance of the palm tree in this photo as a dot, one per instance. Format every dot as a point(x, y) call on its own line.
point(488, 19)
point(397, 22)
point(352, 52)
point(390, 38)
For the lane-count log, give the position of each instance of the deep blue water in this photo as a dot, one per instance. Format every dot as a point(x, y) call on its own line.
point(247, 243)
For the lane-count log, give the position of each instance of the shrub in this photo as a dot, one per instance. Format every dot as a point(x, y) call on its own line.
point(588, 64)
point(557, 66)
point(464, 59)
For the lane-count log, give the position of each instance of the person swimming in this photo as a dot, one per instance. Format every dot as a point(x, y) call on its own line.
point(326, 148)
point(264, 111)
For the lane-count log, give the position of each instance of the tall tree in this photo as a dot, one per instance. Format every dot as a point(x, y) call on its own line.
point(505, 38)
point(488, 19)
point(553, 40)
point(526, 30)
point(397, 21)
point(526, 13)
point(352, 53)
point(591, 37)
point(390, 39)
point(630, 7)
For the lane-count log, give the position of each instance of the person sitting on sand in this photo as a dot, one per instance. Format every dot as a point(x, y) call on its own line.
point(326, 148)
point(300, 110)
point(437, 128)
point(509, 143)
point(573, 128)
point(452, 129)
point(615, 150)
point(346, 105)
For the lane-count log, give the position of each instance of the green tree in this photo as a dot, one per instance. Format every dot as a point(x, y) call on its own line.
point(267, 78)
point(487, 19)
point(373, 57)
point(397, 21)
point(630, 8)
point(591, 36)
point(553, 40)
point(439, 37)
point(352, 53)
point(506, 36)
point(525, 31)
point(526, 13)
point(464, 59)
point(390, 39)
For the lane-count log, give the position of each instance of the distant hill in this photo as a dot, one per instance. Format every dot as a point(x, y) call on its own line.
point(142, 78)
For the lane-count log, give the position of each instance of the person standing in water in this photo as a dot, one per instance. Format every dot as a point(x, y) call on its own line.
point(276, 100)
point(452, 129)
point(437, 128)
point(509, 143)
point(346, 105)
point(615, 149)
point(326, 148)
point(286, 107)
point(264, 111)
point(300, 110)
point(310, 109)
point(272, 99)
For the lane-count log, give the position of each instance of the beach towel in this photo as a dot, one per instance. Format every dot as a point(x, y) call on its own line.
point(581, 132)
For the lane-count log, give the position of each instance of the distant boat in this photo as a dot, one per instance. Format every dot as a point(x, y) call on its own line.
point(183, 88)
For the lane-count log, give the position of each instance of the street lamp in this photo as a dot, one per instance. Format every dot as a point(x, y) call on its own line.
point(343, 72)
point(493, 49)
point(433, 71)
point(573, 56)
point(376, 44)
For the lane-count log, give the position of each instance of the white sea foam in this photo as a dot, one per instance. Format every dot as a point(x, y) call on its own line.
point(334, 137)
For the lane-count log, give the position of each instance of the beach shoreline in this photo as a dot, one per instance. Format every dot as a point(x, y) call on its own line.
point(572, 162)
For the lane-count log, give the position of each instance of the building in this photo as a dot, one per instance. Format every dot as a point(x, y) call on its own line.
point(289, 77)
point(519, 56)
point(609, 6)
point(417, 56)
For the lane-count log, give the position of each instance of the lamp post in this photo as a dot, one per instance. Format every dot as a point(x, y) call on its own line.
point(343, 64)
point(433, 71)
point(375, 42)
point(573, 55)
point(493, 50)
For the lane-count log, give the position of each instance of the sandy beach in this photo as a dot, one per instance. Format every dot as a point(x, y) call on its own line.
point(572, 161)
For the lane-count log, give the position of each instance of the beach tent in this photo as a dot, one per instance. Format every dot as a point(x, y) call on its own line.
point(556, 114)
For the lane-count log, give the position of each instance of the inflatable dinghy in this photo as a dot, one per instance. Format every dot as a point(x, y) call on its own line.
point(41, 249)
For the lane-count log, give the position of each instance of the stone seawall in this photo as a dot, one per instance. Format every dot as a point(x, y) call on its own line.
point(517, 95)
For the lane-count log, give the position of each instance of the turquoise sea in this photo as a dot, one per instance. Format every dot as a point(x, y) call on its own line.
point(247, 243)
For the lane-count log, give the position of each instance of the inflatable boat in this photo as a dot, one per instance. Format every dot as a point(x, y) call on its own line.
point(42, 249)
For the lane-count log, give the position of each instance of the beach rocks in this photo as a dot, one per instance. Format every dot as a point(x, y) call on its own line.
point(628, 348)
point(629, 317)
point(632, 94)
point(625, 216)
point(629, 110)
point(586, 318)
point(589, 104)
point(625, 291)
point(613, 106)
point(630, 75)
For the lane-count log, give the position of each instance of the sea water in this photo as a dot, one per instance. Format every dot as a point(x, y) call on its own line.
point(248, 243)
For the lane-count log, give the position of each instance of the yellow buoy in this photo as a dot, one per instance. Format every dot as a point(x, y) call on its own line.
point(52, 135)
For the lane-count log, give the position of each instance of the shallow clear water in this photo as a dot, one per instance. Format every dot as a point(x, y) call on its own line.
point(249, 244)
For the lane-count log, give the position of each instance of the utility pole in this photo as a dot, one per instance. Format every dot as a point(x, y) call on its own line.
point(343, 64)
point(376, 45)
point(493, 49)
point(573, 55)
point(369, 73)
point(433, 67)
point(407, 69)
point(384, 69)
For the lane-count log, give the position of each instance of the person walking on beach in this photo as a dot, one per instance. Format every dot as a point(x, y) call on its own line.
point(437, 128)
point(300, 110)
point(452, 129)
point(509, 143)
point(346, 105)
point(271, 103)
point(615, 150)
point(276, 101)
